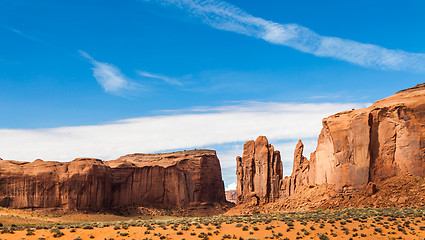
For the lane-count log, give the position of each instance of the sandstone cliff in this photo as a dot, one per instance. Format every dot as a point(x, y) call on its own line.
point(355, 149)
point(169, 179)
point(371, 144)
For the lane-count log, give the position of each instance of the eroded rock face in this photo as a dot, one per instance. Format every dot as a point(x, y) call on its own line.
point(259, 173)
point(371, 144)
point(299, 176)
point(169, 179)
point(355, 149)
point(82, 183)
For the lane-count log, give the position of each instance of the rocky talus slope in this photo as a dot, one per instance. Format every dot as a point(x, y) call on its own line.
point(167, 180)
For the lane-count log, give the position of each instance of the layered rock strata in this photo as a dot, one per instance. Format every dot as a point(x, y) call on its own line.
point(169, 179)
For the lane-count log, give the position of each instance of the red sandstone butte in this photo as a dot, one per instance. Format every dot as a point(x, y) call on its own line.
point(355, 149)
point(166, 179)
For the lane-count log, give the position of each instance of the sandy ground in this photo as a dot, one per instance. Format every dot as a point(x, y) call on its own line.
point(220, 227)
point(23, 217)
point(230, 229)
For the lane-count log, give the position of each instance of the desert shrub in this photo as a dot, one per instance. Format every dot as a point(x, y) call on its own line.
point(202, 235)
point(323, 236)
point(6, 230)
point(87, 227)
point(30, 232)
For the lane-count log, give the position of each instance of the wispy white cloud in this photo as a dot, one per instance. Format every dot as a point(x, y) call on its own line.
point(111, 78)
point(223, 128)
point(191, 129)
point(169, 80)
point(225, 16)
point(231, 186)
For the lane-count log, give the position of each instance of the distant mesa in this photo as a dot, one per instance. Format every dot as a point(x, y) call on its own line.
point(231, 196)
point(165, 180)
point(355, 150)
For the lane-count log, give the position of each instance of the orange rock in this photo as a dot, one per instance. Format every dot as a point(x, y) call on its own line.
point(354, 148)
point(168, 179)
point(259, 173)
point(372, 144)
point(367, 145)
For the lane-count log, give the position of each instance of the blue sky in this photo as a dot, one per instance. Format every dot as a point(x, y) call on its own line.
point(72, 73)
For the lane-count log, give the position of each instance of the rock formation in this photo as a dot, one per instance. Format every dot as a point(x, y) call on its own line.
point(259, 173)
point(299, 174)
point(371, 144)
point(355, 149)
point(168, 179)
point(231, 196)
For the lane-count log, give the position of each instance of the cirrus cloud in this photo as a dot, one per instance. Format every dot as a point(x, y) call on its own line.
point(191, 128)
point(225, 16)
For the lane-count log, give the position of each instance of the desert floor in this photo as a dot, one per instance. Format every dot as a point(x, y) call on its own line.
point(368, 223)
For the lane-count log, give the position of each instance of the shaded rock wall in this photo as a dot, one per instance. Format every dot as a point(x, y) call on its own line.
point(170, 179)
